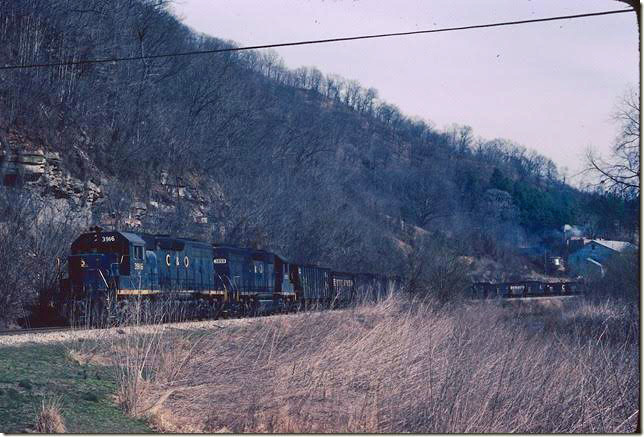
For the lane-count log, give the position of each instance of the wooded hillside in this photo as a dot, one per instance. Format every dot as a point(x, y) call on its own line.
point(234, 147)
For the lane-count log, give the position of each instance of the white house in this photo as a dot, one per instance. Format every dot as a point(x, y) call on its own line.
point(591, 257)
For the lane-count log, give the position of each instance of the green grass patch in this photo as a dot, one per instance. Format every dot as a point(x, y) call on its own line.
point(29, 374)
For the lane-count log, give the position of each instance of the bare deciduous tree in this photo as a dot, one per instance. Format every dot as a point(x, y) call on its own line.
point(34, 236)
point(621, 172)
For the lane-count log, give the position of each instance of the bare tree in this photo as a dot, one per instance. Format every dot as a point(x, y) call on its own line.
point(433, 268)
point(34, 235)
point(621, 172)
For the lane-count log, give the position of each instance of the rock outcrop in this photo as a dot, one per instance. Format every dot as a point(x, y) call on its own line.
point(24, 163)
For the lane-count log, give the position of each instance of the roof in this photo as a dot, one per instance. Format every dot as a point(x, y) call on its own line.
point(617, 246)
point(134, 238)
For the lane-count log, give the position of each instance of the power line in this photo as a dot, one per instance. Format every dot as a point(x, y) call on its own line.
point(318, 41)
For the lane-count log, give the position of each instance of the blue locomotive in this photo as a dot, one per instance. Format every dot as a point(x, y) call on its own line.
point(105, 267)
point(253, 281)
point(207, 280)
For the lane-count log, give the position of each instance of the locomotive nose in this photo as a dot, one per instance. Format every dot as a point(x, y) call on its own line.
point(86, 262)
point(91, 269)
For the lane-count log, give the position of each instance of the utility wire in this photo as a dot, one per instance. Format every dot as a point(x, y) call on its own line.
point(318, 41)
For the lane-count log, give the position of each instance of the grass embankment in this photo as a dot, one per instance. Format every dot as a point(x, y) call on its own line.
point(395, 367)
point(44, 378)
point(542, 366)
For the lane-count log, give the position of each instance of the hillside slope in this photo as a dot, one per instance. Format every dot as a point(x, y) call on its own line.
point(234, 147)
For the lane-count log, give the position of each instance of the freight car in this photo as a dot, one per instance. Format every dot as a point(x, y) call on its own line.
point(372, 287)
point(109, 269)
point(343, 285)
point(313, 285)
point(507, 290)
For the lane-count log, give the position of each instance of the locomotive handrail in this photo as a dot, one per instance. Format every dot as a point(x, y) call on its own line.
point(107, 287)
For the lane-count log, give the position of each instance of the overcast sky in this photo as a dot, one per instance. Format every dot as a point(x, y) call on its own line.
point(548, 86)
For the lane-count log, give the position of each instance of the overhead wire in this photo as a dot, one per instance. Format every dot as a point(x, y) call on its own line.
point(307, 42)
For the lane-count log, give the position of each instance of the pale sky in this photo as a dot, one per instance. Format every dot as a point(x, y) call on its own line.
point(550, 87)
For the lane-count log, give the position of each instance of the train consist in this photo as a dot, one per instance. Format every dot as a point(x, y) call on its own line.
point(210, 280)
point(509, 290)
point(207, 280)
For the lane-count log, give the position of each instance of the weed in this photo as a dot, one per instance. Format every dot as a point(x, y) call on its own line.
point(49, 420)
point(396, 367)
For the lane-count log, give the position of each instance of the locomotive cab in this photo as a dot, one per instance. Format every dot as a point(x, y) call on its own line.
point(107, 261)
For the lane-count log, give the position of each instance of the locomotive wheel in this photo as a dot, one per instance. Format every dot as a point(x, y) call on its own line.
point(278, 307)
point(247, 309)
point(121, 311)
point(244, 308)
point(88, 313)
point(98, 312)
point(217, 308)
point(251, 308)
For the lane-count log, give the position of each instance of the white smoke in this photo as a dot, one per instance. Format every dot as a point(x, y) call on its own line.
point(572, 231)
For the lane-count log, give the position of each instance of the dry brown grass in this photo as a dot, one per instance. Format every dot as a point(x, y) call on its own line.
point(147, 360)
point(396, 367)
point(85, 355)
point(49, 419)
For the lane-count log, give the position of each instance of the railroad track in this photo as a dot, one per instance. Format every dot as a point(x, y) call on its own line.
point(560, 296)
point(25, 331)
point(54, 329)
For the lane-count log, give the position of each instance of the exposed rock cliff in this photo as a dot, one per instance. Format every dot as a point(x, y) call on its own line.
point(36, 167)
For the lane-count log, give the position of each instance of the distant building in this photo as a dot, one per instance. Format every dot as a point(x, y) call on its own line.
point(555, 265)
point(573, 244)
point(591, 257)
